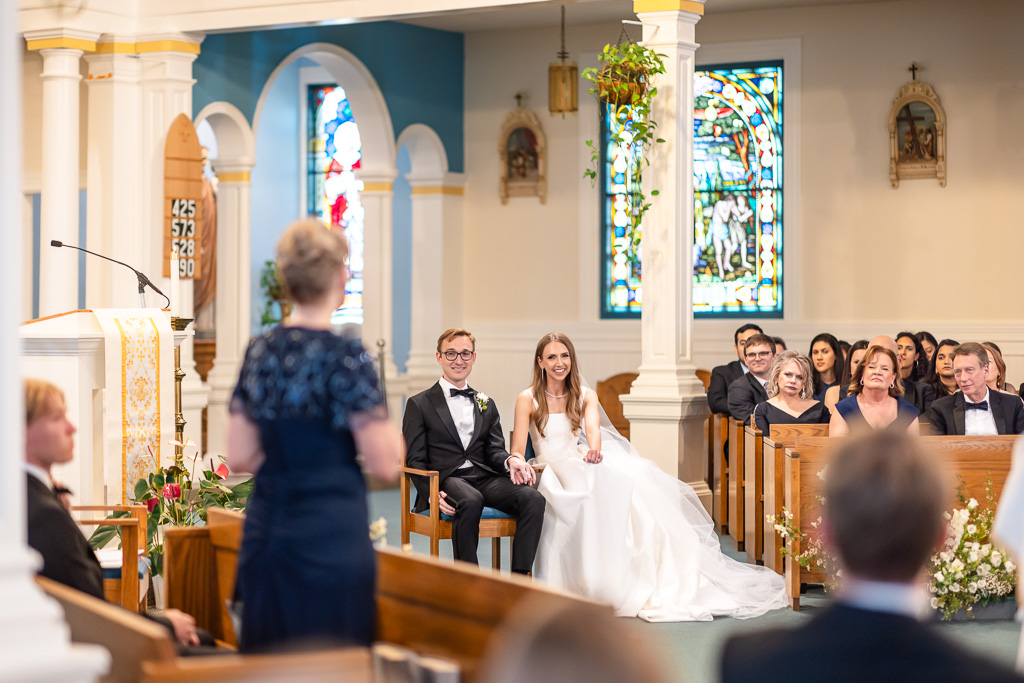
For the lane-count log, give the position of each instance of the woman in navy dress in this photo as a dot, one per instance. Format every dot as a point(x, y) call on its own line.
point(307, 401)
point(876, 398)
point(789, 395)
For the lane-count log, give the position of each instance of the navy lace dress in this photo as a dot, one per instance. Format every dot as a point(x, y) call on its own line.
point(306, 570)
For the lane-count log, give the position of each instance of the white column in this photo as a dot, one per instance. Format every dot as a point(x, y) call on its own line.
point(166, 84)
point(114, 209)
point(666, 406)
point(377, 197)
point(58, 268)
point(36, 643)
point(231, 306)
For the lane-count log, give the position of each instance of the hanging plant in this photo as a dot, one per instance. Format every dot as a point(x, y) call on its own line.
point(274, 295)
point(624, 82)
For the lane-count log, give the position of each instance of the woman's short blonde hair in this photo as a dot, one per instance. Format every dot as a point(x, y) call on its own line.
point(309, 256)
point(39, 398)
point(856, 381)
point(801, 361)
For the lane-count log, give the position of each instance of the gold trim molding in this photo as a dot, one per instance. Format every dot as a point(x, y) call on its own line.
point(452, 190)
point(668, 6)
point(234, 177)
point(376, 187)
point(66, 42)
point(63, 42)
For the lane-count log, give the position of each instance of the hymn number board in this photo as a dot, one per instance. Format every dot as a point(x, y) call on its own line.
point(183, 192)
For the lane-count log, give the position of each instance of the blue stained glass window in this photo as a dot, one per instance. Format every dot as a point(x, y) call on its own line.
point(333, 188)
point(621, 244)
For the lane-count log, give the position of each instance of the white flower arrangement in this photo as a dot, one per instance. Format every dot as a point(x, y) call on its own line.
point(481, 400)
point(968, 570)
point(379, 532)
point(814, 555)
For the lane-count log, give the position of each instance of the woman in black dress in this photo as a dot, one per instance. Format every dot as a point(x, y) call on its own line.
point(307, 401)
point(941, 378)
point(826, 363)
point(789, 395)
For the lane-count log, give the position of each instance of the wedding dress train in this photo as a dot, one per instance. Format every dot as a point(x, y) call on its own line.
point(625, 533)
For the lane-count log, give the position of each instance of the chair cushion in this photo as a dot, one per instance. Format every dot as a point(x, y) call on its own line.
point(488, 513)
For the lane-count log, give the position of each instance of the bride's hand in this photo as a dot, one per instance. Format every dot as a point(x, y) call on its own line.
point(593, 457)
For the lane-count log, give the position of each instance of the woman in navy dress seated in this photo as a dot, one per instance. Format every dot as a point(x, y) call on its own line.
point(307, 401)
point(789, 395)
point(876, 398)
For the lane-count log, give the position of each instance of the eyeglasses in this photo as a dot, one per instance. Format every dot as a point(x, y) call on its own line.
point(452, 354)
point(759, 354)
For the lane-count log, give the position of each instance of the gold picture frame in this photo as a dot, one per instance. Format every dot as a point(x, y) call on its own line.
point(917, 135)
point(522, 148)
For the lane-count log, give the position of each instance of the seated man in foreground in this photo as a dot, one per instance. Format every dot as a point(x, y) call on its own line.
point(882, 518)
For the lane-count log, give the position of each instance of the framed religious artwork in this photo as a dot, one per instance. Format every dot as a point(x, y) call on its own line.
point(523, 151)
point(917, 135)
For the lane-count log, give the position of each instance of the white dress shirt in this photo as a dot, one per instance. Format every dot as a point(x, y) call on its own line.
point(463, 411)
point(979, 422)
point(909, 600)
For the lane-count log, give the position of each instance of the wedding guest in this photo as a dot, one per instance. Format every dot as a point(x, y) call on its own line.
point(912, 369)
point(882, 516)
point(997, 369)
point(853, 357)
point(750, 389)
point(928, 343)
point(780, 343)
point(845, 347)
point(975, 409)
point(724, 375)
point(876, 398)
point(941, 379)
point(307, 403)
point(789, 395)
point(826, 360)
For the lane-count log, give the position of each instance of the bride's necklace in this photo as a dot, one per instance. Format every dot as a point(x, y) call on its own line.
point(553, 396)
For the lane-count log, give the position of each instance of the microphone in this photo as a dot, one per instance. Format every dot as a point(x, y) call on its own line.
point(143, 280)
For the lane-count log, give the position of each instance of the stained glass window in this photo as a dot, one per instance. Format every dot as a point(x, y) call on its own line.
point(332, 186)
point(737, 167)
point(621, 244)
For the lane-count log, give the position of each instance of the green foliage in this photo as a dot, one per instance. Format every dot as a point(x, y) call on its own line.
point(273, 294)
point(624, 81)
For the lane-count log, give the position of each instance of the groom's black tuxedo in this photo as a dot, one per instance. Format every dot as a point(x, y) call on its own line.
point(946, 417)
point(432, 442)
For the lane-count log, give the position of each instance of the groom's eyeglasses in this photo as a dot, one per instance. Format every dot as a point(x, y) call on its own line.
point(451, 355)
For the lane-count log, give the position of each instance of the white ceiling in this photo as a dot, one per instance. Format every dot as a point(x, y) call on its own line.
point(585, 12)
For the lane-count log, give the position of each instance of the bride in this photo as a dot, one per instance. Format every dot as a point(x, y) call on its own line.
point(617, 529)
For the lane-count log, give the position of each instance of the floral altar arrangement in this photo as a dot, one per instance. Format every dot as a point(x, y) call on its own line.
point(178, 496)
point(814, 555)
point(969, 570)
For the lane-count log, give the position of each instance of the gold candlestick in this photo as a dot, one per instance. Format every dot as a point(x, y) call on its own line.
point(178, 325)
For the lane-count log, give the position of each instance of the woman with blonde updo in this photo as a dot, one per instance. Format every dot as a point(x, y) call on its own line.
point(307, 402)
point(790, 399)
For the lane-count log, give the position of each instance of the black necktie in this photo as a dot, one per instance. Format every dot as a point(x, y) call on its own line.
point(982, 405)
point(467, 392)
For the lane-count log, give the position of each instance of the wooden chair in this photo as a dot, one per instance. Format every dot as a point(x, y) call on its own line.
point(608, 392)
point(705, 377)
point(737, 502)
point(134, 536)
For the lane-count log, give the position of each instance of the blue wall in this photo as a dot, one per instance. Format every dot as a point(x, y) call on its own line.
point(38, 243)
point(419, 71)
point(401, 262)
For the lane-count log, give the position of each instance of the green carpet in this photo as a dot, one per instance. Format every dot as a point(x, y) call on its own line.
point(691, 649)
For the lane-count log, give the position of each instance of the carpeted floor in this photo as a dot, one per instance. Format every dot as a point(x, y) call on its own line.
point(691, 649)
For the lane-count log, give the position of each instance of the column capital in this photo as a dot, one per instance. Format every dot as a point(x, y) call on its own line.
point(424, 184)
point(61, 38)
point(378, 180)
point(112, 67)
point(651, 6)
point(234, 170)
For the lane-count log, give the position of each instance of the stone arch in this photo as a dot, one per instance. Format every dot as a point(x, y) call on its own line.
point(426, 151)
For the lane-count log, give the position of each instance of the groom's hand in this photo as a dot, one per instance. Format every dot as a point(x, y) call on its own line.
point(445, 506)
point(519, 471)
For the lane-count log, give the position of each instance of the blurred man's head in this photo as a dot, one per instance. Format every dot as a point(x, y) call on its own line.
point(884, 503)
point(741, 335)
point(49, 434)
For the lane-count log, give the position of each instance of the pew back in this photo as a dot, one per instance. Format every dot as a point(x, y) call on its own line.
point(753, 495)
point(736, 474)
point(719, 433)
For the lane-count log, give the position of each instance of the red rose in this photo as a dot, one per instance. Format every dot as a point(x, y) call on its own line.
point(172, 491)
point(222, 471)
point(152, 503)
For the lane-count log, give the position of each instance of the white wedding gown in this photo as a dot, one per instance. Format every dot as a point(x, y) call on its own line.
point(625, 533)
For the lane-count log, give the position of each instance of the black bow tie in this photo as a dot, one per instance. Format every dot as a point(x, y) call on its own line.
point(982, 405)
point(467, 392)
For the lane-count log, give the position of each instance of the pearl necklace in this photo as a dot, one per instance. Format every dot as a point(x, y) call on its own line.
point(553, 396)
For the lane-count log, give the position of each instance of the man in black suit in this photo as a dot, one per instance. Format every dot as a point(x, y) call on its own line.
point(883, 517)
point(724, 375)
point(974, 410)
point(750, 389)
point(456, 430)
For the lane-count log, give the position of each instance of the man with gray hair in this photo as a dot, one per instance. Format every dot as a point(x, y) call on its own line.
point(974, 410)
point(882, 519)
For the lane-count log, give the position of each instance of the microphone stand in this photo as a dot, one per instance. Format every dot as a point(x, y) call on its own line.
point(143, 280)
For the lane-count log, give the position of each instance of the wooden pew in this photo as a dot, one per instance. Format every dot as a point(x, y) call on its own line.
point(753, 495)
point(973, 458)
point(736, 499)
point(718, 435)
point(774, 482)
point(353, 665)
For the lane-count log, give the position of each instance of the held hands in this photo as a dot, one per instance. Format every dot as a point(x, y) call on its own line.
point(445, 506)
point(593, 457)
point(184, 626)
point(519, 471)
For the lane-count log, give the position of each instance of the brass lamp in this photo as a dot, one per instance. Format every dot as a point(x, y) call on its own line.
point(562, 81)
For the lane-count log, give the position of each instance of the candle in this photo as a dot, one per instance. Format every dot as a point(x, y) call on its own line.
point(175, 294)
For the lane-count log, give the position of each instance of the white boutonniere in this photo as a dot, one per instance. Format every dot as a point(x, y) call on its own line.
point(481, 400)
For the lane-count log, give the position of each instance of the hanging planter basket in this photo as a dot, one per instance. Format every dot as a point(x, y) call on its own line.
point(619, 85)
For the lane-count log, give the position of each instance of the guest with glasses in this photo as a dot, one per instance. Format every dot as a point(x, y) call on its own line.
point(724, 375)
point(751, 389)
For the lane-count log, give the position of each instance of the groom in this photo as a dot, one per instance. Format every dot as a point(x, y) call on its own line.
point(455, 429)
